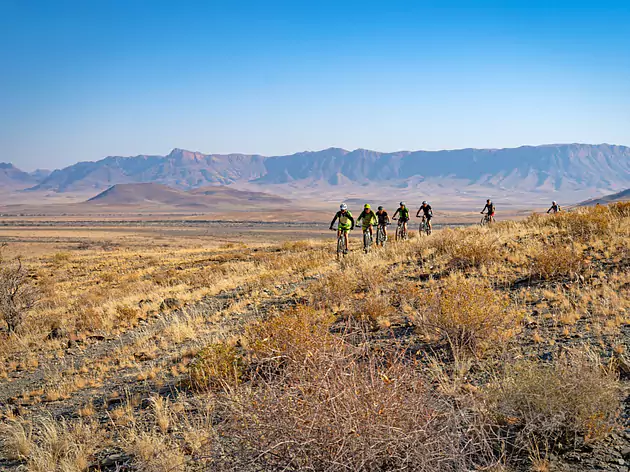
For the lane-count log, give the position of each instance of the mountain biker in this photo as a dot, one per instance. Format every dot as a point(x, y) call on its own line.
point(369, 219)
point(383, 220)
point(403, 211)
point(490, 207)
point(554, 207)
point(428, 214)
point(346, 223)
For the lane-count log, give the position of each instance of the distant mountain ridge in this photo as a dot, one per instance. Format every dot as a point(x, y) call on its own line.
point(549, 168)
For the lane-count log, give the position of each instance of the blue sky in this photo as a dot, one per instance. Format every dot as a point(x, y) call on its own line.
point(81, 80)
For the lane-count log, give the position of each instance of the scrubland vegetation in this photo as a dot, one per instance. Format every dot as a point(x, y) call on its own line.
point(497, 349)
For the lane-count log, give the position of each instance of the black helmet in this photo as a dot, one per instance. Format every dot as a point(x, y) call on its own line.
point(380, 207)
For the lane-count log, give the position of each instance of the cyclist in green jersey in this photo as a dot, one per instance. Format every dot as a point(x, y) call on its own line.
point(346, 223)
point(369, 219)
point(403, 211)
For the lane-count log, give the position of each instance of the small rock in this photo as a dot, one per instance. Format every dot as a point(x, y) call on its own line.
point(114, 459)
point(56, 333)
point(170, 304)
point(625, 452)
point(143, 303)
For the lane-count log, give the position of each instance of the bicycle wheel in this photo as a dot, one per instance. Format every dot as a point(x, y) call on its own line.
point(366, 241)
point(380, 236)
point(340, 246)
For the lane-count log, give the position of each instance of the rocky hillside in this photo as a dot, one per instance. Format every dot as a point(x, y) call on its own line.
point(622, 196)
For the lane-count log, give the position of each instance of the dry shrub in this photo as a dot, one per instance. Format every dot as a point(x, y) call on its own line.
point(372, 310)
point(334, 290)
point(343, 408)
point(467, 249)
point(547, 403)
point(297, 245)
point(218, 366)
point(291, 335)
point(16, 439)
point(620, 209)
point(53, 445)
point(581, 225)
point(468, 313)
point(557, 261)
point(126, 314)
point(18, 293)
point(155, 453)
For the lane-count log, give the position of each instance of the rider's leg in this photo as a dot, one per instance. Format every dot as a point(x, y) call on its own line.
point(345, 236)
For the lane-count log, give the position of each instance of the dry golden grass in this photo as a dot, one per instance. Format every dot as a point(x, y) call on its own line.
point(218, 366)
point(300, 361)
point(555, 402)
point(51, 445)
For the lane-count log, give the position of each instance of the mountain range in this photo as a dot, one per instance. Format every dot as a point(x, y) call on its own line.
point(12, 177)
point(590, 169)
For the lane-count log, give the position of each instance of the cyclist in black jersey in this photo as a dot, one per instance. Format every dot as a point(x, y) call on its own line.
point(383, 220)
point(491, 209)
point(555, 208)
point(427, 214)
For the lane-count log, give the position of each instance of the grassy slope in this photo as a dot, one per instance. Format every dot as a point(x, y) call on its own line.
point(500, 347)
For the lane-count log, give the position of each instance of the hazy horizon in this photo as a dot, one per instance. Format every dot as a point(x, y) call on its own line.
point(86, 80)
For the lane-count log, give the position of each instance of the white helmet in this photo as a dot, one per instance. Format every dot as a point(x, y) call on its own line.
point(424, 202)
point(402, 204)
point(554, 203)
point(343, 206)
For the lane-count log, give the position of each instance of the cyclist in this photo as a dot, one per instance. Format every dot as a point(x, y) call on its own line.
point(403, 211)
point(369, 219)
point(428, 214)
point(555, 208)
point(383, 220)
point(346, 223)
point(490, 207)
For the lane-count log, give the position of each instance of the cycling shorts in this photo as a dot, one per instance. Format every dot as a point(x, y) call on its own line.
point(428, 217)
point(344, 228)
point(403, 220)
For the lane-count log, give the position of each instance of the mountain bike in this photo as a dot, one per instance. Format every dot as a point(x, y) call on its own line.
point(341, 244)
point(381, 239)
point(424, 227)
point(485, 220)
point(367, 240)
point(401, 232)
